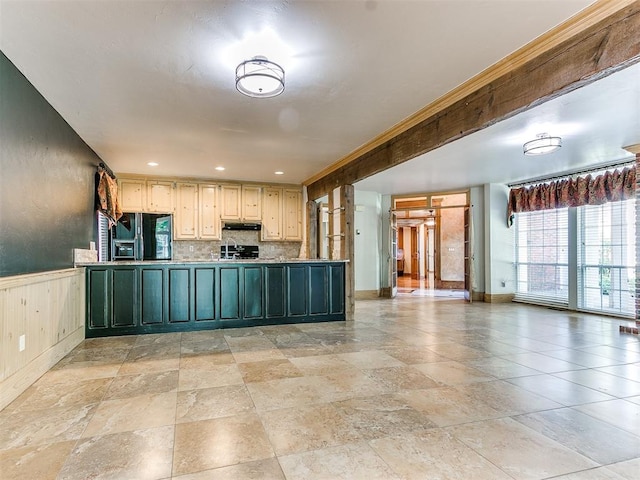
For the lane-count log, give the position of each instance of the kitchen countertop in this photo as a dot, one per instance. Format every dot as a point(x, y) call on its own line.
point(225, 261)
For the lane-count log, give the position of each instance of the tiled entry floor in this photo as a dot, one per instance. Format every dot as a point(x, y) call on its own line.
point(413, 389)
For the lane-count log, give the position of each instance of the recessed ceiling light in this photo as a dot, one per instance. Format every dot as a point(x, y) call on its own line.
point(279, 172)
point(220, 169)
point(152, 164)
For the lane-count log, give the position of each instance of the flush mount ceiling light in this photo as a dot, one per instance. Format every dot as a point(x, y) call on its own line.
point(259, 78)
point(542, 145)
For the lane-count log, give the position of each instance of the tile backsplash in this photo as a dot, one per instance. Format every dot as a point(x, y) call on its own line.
point(190, 250)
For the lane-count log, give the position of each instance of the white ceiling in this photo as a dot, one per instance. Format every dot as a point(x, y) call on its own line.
point(145, 81)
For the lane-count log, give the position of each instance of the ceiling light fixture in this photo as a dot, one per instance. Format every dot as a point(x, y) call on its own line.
point(279, 172)
point(542, 145)
point(220, 169)
point(152, 164)
point(259, 78)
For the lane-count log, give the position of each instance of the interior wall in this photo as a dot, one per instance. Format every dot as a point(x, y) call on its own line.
point(385, 238)
point(476, 199)
point(368, 245)
point(499, 271)
point(47, 181)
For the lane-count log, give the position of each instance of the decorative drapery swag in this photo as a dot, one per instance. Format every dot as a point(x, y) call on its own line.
point(573, 192)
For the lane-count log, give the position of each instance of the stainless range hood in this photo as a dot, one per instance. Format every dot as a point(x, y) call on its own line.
point(241, 226)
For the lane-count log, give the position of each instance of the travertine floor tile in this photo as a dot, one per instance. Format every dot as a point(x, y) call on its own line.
point(38, 427)
point(268, 469)
point(506, 398)
point(620, 413)
point(395, 393)
point(370, 359)
point(447, 406)
point(209, 376)
point(520, 451)
point(627, 470)
point(132, 413)
point(206, 403)
point(76, 394)
point(305, 428)
point(381, 416)
point(268, 370)
point(219, 442)
point(348, 462)
point(401, 378)
point(142, 454)
point(560, 390)
point(453, 373)
point(593, 438)
point(34, 462)
point(604, 382)
point(126, 386)
point(434, 454)
point(501, 368)
point(543, 363)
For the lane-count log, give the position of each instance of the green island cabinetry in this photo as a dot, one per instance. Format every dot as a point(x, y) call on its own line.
point(137, 297)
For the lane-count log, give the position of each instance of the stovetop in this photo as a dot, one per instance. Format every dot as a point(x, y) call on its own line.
point(239, 251)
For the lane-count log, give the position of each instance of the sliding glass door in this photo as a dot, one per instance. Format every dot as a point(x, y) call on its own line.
point(582, 258)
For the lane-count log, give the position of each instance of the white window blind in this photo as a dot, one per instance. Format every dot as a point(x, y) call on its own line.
point(606, 257)
point(103, 238)
point(541, 245)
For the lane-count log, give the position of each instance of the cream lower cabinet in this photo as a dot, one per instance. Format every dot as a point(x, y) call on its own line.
point(197, 216)
point(281, 214)
point(209, 227)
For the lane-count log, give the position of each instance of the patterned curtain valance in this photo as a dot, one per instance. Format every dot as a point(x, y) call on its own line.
point(573, 192)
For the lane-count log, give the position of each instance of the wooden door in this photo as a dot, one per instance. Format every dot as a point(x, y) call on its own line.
point(415, 254)
point(467, 254)
point(393, 254)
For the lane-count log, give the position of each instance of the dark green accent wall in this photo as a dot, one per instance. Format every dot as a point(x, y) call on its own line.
point(47, 181)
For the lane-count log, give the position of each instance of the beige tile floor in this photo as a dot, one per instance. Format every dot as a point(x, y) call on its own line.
point(414, 388)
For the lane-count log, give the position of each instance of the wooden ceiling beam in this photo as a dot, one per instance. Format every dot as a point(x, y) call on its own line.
point(607, 46)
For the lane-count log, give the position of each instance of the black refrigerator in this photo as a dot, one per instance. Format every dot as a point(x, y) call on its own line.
point(142, 236)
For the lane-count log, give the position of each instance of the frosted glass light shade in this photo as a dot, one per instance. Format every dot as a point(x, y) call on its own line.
point(259, 78)
point(542, 145)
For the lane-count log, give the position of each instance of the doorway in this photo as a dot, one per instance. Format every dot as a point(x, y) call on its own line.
point(432, 241)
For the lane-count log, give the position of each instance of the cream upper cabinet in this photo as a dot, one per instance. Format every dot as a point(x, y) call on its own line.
point(292, 214)
point(272, 214)
point(209, 215)
point(186, 217)
point(160, 197)
point(251, 202)
point(132, 195)
point(230, 202)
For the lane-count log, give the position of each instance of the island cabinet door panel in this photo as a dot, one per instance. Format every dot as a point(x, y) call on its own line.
point(297, 292)
point(318, 289)
point(253, 293)
point(229, 293)
point(205, 293)
point(152, 298)
point(179, 295)
point(99, 295)
point(124, 297)
point(337, 289)
point(275, 291)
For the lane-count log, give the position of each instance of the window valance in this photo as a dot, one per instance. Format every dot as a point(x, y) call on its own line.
point(573, 192)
